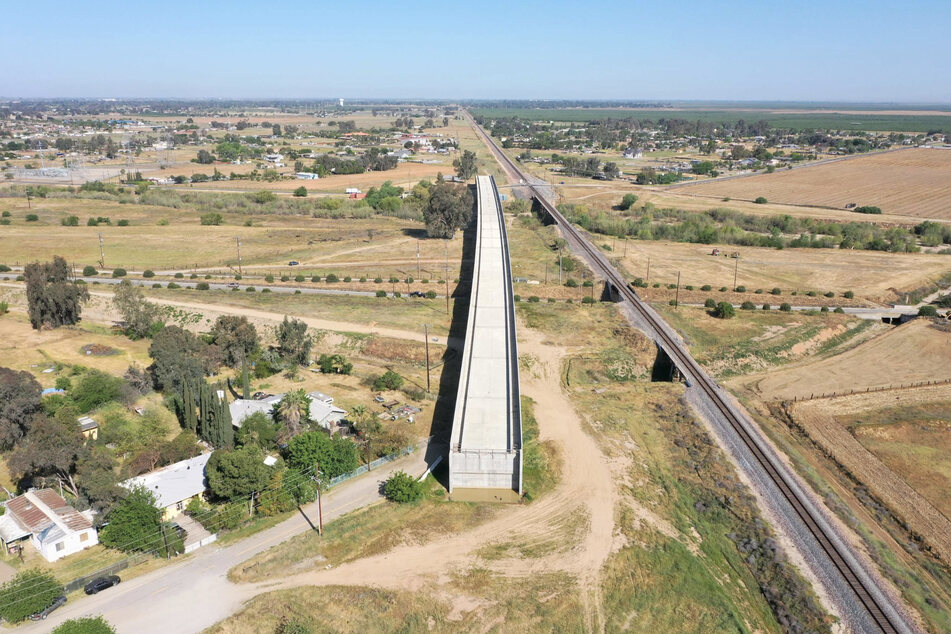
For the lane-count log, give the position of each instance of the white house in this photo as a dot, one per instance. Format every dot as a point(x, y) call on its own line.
point(55, 529)
point(174, 486)
point(322, 410)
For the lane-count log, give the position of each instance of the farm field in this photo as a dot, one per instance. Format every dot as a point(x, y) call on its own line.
point(914, 183)
point(872, 275)
point(913, 352)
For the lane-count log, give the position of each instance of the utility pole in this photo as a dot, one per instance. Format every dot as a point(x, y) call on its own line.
point(625, 246)
point(237, 239)
point(102, 253)
point(648, 280)
point(320, 510)
point(426, 335)
point(677, 296)
point(417, 259)
point(559, 266)
point(736, 269)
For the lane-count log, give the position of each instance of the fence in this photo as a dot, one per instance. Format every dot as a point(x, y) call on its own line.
point(869, 390)
point(111, 569)
point(379, 462)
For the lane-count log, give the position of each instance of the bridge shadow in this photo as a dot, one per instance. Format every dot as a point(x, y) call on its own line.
point(663, 368)
point(445, 406)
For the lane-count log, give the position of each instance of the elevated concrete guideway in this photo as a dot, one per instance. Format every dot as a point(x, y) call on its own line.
point(486, 447)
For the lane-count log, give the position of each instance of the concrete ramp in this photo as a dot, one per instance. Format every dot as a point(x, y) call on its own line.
point(486, 447)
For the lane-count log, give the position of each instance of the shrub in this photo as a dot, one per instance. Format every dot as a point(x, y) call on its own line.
point(517, 298)
point(776, 291)
point(688, 287)
point(332, 279)
point(389, 380)
point(587, 300)
point(410, 280)
point(193, 276)
point(90, 271)
point(571, 283)
point(758, 291)
point(867, 209)
point(748, 306)
point(70, 221)
point(785, 307)
point(202, 286)
point(377, 280)
point(706, 287)
point(85, 625)
point(723, 289)
point(269, 278)
point(238, 277)
point(709, 303)
point(249, 289)
point(811, 293)
point(394, 279)
point(148, 273)
point(179, 276)
point(156, 285)
point(760, 200)
point(285, 278)
point(363, 278)
point(848, 294)
point(300, 192)
point(348, 279)
point(838, 310)
point(829, 294)
point(534, 299)
point(397, 294)
point(655, 285)
point(212, 218)
point(173, 285)
point(824, 309)
point(589, 284)
point(265, 290)
point(766, 307)
point(551, 300)
point(740, 289)
point(928, 311)
point(402, 488)
point(4, 268)
point(671, 286)
point(123, 223)
point(430, 294)
point(120, 272)
point(724, 310)
point(32, 217)
point(672, 302)
point(27, 593)
point(299, 278)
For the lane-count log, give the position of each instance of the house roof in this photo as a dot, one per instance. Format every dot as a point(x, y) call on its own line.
point(86, 423)
point(45, 513)
point(174, 483)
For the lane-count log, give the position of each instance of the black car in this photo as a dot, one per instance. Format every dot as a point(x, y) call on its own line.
point(41, 615)
point(101, 583)
point(417, 294)
point(293, 263)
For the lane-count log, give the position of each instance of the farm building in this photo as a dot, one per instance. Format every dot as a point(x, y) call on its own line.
point(55, 529)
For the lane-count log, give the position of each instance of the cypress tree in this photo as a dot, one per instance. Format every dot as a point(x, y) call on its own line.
point(225, 427)
point(245, 380)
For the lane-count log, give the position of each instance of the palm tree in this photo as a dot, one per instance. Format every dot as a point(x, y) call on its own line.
point(292, 409)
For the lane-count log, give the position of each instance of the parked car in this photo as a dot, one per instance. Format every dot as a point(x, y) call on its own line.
point(182, 533)
point(233, 285)
point(101, 583)
point(417, 294)
point(41, 615)
point(293, 263)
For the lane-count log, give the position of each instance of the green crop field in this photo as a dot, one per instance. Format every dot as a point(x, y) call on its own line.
point(875, 122)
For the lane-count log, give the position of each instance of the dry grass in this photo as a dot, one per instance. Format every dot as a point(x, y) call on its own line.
point(914, 182)
point(910, 353)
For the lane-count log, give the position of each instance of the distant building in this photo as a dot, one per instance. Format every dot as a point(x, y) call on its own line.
point(306, 176)
point(88, 427)
point(55, 529)
point(174, 486)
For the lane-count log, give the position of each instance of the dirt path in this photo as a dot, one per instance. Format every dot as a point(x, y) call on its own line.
point(586, 486)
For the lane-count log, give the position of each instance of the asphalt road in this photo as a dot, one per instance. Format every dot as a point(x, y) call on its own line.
point(194, 593)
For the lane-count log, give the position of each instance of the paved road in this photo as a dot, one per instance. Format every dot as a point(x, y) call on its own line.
point(195, 593)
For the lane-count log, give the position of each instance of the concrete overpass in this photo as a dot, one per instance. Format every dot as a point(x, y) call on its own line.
point(485, 453)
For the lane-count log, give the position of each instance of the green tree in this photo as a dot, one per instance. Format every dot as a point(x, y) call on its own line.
point(293, 410)
point(928, 311)
point(258, 429)
point(300, 192)
point(52, 299)
point(236, 474)
point(293, 341)
point(29, 592)
point(178, 356)
point(85, 625)
point(449, 208)
point(236, 337)
point(724, 310)
point(51, 448)
point(20, 401)
point(627, 202)
point(465, 165)
point(95, 388)
point(334, 364)
point(211, 218)
point(139, 314)
point(402, 488)
point(205, 157)
point(389, 380)
point(135, 523)
point(335, 455)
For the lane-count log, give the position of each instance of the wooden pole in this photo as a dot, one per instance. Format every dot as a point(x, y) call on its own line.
point(677, 296)
point(426, 334)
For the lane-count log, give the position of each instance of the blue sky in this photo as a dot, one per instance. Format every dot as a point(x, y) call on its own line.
point(764, 50)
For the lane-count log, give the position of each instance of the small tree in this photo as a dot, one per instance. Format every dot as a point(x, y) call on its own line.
point(389, 380)
point(27, 593)
point(300, 192)
point(52, 299)
point(928, 311)
point(135, 524)
point(402, 488)
point(293, 342)
point(235, 475)
point(465, 165)
point(627, 202)
point(85, 625)
point(724, 310)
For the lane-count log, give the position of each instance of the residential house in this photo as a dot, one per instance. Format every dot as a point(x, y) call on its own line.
point(88, 427)
point(55, 529)
point(174, 486)
point(322, 410)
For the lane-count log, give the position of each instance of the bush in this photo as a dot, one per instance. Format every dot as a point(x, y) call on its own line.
point(829, 294)
point(377, 280)
point(148, 273)
point(397, 294)
point(202, 286)
point(740, 289)
point(90, 271)
point(724, 310)
point(672, 302)
point(766, 307)
point(381, 293)
point(710, 303)
point(589, 284)
point(237, 277)
point(402, 488)
point(928, 311)
point(838, 310)
point(285, 278)
point(179, 276)
point(173, 285)
point(534, 299)
point(249, 289)
point(571, 283)
point(410, 280)
point(299, 278)
point(430, 294)
point(811, 293)
point(824, 309)
point(758, 291)
point(848, 294)
point(688, 287)
point(363, 278)
point(193, 276)
point(867, 209)
point(394, 279)
point(212, 218)
point(760, 200)
point(332, 279)
point(269, 278)
point(156, 285)
point(706, 287)
point(389, 380)
point(723, 289)
point(300, 192)
point(517, 298)
point(552, 300)
point(123, 223)
point(32, 217)
point(785, 307)
point(70, 221)
point(29, 592)
point(776, 291)
point(120, 272)
point(748, 306)
point(348, 279)
point(587, 300)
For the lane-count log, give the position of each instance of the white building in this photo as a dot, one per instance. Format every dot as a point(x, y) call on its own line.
point(174, 486)
point(322, 410)
point(54, 528)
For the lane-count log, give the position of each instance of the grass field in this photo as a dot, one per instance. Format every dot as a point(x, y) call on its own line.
point(914, 182)
point(783, 119)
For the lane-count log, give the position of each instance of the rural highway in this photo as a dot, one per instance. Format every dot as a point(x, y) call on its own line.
point(840, 571)
point(194, 593)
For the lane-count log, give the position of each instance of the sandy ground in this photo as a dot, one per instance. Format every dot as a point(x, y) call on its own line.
point(910, 353)
point(587, 483)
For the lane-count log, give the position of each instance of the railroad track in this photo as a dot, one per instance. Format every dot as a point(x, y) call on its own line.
point(869, 596)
